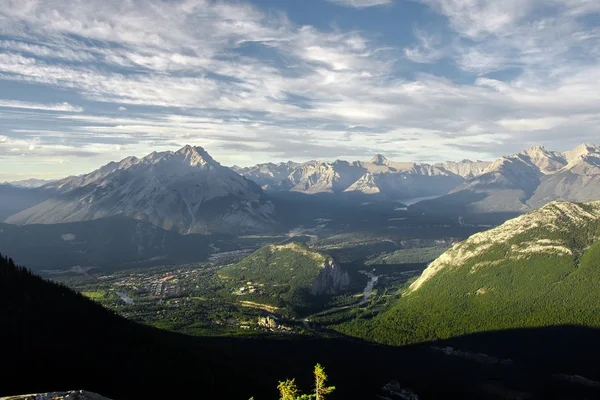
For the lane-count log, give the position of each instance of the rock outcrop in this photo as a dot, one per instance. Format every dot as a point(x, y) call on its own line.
point(70, 395)
point(331, 280)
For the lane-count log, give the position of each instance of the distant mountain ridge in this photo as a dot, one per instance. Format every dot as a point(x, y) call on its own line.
point(528, 180)
point(186, 191)
point(376, 176)
point(29, 183)
point(516, 183)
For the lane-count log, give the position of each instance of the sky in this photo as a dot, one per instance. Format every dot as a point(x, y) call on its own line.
point(85, 82)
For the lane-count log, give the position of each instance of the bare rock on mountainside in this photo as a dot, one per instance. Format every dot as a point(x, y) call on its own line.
point(377, 176)
point(185, 191)
point(579, 180)
point(465, 168)
point(267, 174)
point(71, 395)
point(321, 177)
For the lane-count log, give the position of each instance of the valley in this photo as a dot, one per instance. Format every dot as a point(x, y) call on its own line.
point(202, 299)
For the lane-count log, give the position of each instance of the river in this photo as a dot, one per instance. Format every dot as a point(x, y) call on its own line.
point(368, 291)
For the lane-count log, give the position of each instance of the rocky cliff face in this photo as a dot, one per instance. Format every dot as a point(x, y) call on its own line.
point(579, 180)
point(331, 280)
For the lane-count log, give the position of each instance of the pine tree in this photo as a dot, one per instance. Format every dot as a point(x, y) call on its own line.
point(321, 388)
point(288, 390)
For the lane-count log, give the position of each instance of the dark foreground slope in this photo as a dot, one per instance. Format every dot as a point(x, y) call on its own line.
point(54, 339)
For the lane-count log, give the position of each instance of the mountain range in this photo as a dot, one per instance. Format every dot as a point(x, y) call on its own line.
point(187, 191)
point(377, 176)
point(516, 183)
point(528, 180)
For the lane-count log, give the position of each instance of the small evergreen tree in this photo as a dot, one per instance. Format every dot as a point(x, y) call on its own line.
point(288, 390)
point(321, 388)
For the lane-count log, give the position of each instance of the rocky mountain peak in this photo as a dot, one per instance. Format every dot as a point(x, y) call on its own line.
point(583, 149)
point(195, 155)
point(547, 161)
point(536, 151)
point(379, 159)
point(187, 155)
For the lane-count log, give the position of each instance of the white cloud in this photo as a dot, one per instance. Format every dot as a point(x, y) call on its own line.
point(428, 49)
point(478, 18)
point(532, 124)
point(319, 93)
point(66, 107)
point(361, 3)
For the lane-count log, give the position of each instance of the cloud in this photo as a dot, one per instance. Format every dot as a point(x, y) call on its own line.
point(428, 49)
point(361, 3)
point(488, 77)
point(478, 18)
point(536, 34)
point(66, 107)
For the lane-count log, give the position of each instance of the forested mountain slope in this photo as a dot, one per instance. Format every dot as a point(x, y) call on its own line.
point(540, 269)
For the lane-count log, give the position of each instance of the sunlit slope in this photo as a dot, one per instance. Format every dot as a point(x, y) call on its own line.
point(540, 269)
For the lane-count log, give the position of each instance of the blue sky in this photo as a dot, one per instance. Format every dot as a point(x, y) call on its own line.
point(84, 82)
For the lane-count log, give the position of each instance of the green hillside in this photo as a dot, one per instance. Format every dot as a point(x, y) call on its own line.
point(279, 275)
point(537, 270)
